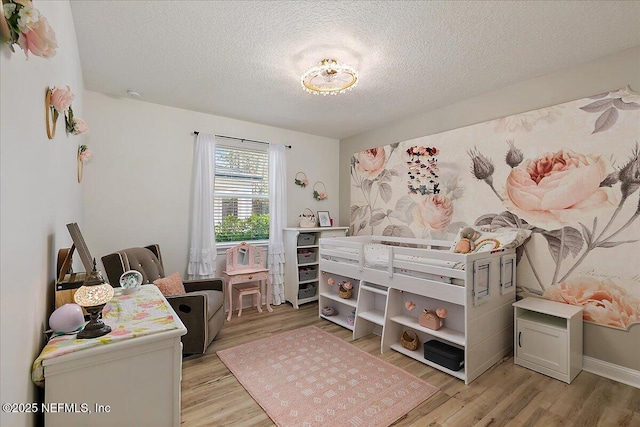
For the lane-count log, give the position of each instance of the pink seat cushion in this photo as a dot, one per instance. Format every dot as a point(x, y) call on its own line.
point(170, 285)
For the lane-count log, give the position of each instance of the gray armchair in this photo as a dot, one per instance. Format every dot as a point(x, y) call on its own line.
point(201, 309)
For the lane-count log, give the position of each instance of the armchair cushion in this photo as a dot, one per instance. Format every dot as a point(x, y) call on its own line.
point(170, 285)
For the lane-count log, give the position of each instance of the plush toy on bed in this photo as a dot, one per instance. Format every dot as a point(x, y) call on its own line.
point(466, 243)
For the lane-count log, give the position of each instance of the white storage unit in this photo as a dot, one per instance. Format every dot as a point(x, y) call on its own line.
point(135, 381)
point(476, 289)
point(301, 273)
point(548, 337)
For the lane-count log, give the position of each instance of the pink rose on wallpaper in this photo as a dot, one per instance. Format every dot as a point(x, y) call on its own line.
point(61, 98)
point(558, 188)
point(434, 211)
point(604, 302)
point(39, 40)
point(371, 161)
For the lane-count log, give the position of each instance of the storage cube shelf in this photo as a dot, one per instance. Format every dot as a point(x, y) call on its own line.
point(301, 262)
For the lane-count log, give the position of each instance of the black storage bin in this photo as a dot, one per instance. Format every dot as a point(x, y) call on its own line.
point(444, 354)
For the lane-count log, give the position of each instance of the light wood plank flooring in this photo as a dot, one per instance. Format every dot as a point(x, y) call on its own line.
point(505, 395)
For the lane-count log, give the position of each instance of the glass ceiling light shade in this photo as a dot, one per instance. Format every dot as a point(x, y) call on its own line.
point(329, 77)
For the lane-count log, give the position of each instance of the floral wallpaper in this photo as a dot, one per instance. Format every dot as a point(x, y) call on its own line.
point(570, 173)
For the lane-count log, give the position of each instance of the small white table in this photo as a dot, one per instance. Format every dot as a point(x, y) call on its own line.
point(548, 337)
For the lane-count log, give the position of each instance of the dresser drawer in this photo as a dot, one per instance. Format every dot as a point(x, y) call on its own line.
point(332, 233)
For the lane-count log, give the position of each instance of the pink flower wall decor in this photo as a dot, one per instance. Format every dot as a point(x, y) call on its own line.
point(434, 211)
point(75, 125)
point(23, 25)
point(61, 98)
point(567, 174)
point(371, 162)
point(84, 156)
point(58, 101)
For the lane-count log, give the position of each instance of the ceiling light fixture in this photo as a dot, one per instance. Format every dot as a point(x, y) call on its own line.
point(329, 77)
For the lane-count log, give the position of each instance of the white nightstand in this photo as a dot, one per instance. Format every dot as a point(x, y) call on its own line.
point(548, 337)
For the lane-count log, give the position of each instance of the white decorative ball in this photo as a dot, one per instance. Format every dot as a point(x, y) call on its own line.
point(66, 318)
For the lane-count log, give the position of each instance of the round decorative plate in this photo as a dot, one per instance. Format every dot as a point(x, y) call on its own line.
point(131, 279)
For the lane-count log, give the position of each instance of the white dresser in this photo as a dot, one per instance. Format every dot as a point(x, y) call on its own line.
point(130, 376)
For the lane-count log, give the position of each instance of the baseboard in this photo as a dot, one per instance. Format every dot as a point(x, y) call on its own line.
point(611, 371)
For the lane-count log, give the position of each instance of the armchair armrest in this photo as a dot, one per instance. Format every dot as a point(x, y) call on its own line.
point(192, 310)
point(215, 284)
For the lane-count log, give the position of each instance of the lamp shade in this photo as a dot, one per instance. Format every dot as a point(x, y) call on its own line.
point(92, 295)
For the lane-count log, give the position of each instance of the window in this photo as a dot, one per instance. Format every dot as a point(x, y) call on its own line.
point(241, 191)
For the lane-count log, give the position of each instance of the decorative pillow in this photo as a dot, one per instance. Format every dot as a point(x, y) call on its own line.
point(170, 285)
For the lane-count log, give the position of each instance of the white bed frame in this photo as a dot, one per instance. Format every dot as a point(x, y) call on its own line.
point(478, 297)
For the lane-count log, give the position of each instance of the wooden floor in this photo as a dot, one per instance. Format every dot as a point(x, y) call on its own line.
point(505, 395)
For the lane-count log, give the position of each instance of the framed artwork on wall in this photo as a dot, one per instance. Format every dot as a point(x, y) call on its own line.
point(324, 219)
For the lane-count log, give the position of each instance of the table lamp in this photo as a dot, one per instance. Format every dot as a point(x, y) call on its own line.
point(94, 293)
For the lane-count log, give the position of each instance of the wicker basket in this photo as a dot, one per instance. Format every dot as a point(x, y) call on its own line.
point(307, 220)
point(344, 292)
point(409, 340)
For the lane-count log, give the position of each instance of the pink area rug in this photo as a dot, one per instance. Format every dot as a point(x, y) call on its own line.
point(308, 377)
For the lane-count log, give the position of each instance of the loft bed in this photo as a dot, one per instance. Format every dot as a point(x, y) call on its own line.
point(389, 272)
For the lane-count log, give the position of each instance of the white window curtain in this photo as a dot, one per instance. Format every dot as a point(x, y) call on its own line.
point(277, 219)
point(202, 251)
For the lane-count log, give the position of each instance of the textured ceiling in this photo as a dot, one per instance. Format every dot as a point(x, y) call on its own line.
point(243, 59)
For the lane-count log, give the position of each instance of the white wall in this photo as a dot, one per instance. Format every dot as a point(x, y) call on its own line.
point(601, 75)
point(39, 195)
point(138, 186)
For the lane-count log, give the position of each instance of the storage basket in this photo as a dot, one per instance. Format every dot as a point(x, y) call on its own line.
point(344, 292)
point(429, 319)
point(306, 239)
point(409, 340)
point(307, 219)
point(307, 291)
point(307, 273)
point(305, 257)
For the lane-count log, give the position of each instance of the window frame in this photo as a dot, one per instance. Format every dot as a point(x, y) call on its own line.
point(232, 143)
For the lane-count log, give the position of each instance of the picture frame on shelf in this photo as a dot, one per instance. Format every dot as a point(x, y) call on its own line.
point(324, 219)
